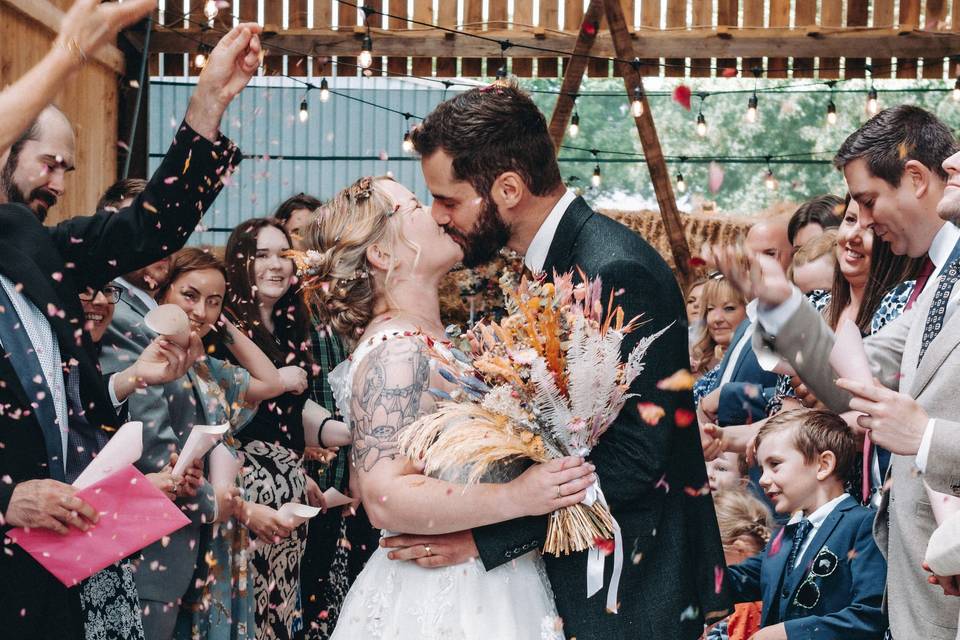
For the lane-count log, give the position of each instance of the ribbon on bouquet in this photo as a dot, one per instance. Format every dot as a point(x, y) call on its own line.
point(596, 558)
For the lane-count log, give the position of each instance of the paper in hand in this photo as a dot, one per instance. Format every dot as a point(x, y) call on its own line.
point(224, 467)
point(125, 447)
point(133, 515)
point(297, 513)
point(336, 499)
point(201, 439)
point(943, 505)
point(848, 357)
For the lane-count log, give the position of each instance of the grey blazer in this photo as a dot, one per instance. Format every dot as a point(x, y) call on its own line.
point(904, 521)
point(168, 412)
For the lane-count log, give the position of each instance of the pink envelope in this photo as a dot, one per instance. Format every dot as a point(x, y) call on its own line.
point(133, 515)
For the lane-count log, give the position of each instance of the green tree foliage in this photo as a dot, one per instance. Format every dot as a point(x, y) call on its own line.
point(788, 123)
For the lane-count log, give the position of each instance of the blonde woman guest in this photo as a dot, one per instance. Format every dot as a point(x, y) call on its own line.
point(723, 309)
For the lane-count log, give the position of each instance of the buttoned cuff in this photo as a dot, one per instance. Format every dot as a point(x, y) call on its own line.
point(924, 452)
point(773, 319)
point(113, 394)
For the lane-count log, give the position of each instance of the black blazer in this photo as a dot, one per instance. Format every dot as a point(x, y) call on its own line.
point(653, 477)
point(54, 264)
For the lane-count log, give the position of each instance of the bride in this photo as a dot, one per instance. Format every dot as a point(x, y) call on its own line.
point(375, 262)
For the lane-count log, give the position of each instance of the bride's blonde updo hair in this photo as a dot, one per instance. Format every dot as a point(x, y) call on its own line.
point(335, 271)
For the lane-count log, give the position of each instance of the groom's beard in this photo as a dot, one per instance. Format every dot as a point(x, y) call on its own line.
point(489, 234)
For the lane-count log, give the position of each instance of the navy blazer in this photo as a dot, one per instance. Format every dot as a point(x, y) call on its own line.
point(743, 399)
point(837, 589)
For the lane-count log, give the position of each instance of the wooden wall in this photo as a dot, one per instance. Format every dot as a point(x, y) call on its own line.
point(644, 17)
point(89, 100)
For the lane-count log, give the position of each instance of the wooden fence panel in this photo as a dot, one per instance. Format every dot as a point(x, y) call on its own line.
point(549, 20)
point(831, 15)
point(779, 17)
point(472, 16)
point(650, 19)
point(805, 15)
point(702, 16)
point(935, 20)
point(909, 19)
point(676, 19)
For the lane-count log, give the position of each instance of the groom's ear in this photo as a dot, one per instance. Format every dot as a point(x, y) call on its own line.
point(508, 190)
point(379, 258)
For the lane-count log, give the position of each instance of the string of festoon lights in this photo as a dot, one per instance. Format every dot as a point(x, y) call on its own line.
point(365, 60)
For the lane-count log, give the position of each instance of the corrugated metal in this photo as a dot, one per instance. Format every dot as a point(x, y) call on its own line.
point(264, 121)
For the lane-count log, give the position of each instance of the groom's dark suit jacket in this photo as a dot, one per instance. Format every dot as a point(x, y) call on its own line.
point(653, 477)
point(53, 264)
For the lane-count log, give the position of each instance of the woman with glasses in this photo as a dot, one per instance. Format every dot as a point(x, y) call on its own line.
point(109, 599)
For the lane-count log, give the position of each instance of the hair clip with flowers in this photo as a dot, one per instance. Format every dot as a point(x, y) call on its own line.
point(362, 189)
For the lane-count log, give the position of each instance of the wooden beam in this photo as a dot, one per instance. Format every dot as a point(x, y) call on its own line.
point(46, 13)
point(573, 74)
point(810, 42)
point(659, 174)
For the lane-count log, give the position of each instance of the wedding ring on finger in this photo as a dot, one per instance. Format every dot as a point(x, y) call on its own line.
point(559, 494)
point(426, 548)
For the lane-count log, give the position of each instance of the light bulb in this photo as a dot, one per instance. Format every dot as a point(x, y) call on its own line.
point(956, 91)
point(200, 60)
point(595, 179)
point(210, 9)
point(636, 107)
point(366, 58)
point(701, 125)
point(407, 143)
point(770, 182)
point(752, 109)
point(304, 114)
point(681, 184)
point(831, 113)
point(574, 125)
point(324, 90)
point(873, 105)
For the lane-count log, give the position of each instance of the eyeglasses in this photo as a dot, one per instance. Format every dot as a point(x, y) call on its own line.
point(824, 564)
point(110, 292)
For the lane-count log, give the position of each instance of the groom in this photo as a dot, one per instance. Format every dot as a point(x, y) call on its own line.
point(491, 168)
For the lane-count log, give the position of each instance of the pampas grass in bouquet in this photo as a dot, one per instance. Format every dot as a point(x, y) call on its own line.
point(548, 381)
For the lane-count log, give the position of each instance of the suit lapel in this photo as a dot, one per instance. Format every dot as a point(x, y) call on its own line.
point(132, 300)
point(560, 257)
point(771, 571)
point(725, 362)
point(941, 347)
point(796, 577)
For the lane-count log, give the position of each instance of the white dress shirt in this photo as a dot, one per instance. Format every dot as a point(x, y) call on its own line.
point(742, 344)
point(540, 245)
point(48, 353)
point(816, 519)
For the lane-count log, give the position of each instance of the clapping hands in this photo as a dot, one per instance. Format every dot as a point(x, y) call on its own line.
point(755, 276)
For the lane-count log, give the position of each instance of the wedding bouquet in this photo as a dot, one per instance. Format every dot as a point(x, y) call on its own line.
point(548, 381)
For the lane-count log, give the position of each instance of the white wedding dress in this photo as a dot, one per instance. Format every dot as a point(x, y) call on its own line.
point(399, 600)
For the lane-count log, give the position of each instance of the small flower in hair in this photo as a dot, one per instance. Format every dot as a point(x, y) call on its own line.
point(362, 189)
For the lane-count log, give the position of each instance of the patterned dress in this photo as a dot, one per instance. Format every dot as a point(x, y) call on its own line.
point(111, 607)
point(219, 604)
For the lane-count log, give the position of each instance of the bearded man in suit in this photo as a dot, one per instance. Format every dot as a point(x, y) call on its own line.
point(52, 390)
point(492, 170)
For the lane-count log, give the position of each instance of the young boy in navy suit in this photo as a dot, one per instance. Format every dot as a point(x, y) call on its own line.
point(822, 575)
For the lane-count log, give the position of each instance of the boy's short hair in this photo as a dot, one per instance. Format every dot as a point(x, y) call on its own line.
point(814, 432)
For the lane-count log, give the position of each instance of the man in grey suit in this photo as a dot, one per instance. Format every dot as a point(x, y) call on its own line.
point(889, 161)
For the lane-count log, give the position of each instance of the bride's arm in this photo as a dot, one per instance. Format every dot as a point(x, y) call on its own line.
point(390, 391)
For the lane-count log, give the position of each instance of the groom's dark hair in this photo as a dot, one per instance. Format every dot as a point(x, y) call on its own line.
point(489, 131)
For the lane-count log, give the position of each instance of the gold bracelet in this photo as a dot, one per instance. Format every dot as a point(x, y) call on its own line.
point(74, 49)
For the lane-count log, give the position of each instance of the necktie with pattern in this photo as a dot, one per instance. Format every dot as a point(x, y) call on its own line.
point(938, 308)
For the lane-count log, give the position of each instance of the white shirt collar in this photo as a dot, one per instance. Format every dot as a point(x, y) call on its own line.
point(820, 514)
point(942, 246)
point(752, 312)
point(540, 245)
point(138, 292)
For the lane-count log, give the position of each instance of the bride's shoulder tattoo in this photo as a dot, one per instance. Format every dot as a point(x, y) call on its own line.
point(390, 384)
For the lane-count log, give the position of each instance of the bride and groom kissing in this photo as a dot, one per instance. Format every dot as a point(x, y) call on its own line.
point(463, 561)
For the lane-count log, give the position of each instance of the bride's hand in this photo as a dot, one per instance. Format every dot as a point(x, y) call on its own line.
point(552, 485)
